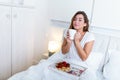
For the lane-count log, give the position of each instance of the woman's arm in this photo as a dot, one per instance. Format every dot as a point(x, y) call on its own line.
point(84, 52)
point(66, 45)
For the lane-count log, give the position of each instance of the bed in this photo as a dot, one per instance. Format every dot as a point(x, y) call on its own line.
point(106, 55)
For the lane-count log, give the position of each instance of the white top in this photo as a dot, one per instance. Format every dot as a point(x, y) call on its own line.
point(72, 54)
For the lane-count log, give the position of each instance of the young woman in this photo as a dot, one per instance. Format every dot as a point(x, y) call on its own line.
point(81, 46)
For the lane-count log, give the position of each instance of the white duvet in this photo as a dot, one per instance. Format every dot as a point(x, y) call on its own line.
point(42, 72)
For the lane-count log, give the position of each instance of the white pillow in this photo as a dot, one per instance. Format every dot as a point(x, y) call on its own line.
point(111, 70)
point(94, 60)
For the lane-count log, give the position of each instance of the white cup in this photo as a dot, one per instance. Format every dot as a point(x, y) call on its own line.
point(72, 33)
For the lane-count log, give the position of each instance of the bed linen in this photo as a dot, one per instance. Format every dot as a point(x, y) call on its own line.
point(42, 72)
point(111, 70)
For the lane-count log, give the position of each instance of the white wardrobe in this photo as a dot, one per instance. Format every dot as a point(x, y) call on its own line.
point(16, 36)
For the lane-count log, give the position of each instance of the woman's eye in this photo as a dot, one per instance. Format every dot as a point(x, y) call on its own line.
point(77, 19)
point(80, 19)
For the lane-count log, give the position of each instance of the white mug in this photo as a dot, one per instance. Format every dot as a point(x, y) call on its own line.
point(71, 33)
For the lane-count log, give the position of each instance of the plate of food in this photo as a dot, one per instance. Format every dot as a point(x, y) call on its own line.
point(63, 66)
point(67, 68)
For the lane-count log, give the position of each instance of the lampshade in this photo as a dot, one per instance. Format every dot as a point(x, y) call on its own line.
point(53, 46)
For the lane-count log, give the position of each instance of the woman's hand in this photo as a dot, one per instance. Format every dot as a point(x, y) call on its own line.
point(78, 37)
point(66, 44)
point(69, 41)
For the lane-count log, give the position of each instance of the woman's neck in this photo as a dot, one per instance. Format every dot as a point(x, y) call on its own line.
point(81, 32)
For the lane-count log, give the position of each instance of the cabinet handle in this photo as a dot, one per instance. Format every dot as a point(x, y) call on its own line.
point(15, 16)
point(8, 16)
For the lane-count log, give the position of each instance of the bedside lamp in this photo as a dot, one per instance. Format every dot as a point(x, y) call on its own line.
point(53, 47)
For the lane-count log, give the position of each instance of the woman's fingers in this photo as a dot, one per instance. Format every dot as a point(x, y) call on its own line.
point(77, 36)
point(68, 36)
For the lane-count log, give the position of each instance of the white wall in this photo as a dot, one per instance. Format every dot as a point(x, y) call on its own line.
point(56, 30)
point(42, 24)
point(63, 10)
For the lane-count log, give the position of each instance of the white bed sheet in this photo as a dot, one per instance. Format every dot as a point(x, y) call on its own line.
point(41, 71)
point(33, 73)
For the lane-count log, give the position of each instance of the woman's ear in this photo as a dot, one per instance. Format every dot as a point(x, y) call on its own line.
point(85, 24)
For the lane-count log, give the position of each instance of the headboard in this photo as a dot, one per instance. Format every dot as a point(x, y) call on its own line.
point(105, 43)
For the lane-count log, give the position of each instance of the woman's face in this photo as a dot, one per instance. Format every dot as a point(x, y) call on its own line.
point(78, 22)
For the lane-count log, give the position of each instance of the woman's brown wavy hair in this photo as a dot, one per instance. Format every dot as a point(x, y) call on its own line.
point(85, 29)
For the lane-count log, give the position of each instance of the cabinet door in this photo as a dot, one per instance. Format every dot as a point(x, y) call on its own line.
point(5, 1)
point(22, 38)
point(5, 43)
point(106, 14)
point(24, 2)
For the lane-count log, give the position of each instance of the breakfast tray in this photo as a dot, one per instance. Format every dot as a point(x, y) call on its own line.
point(74, 72)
